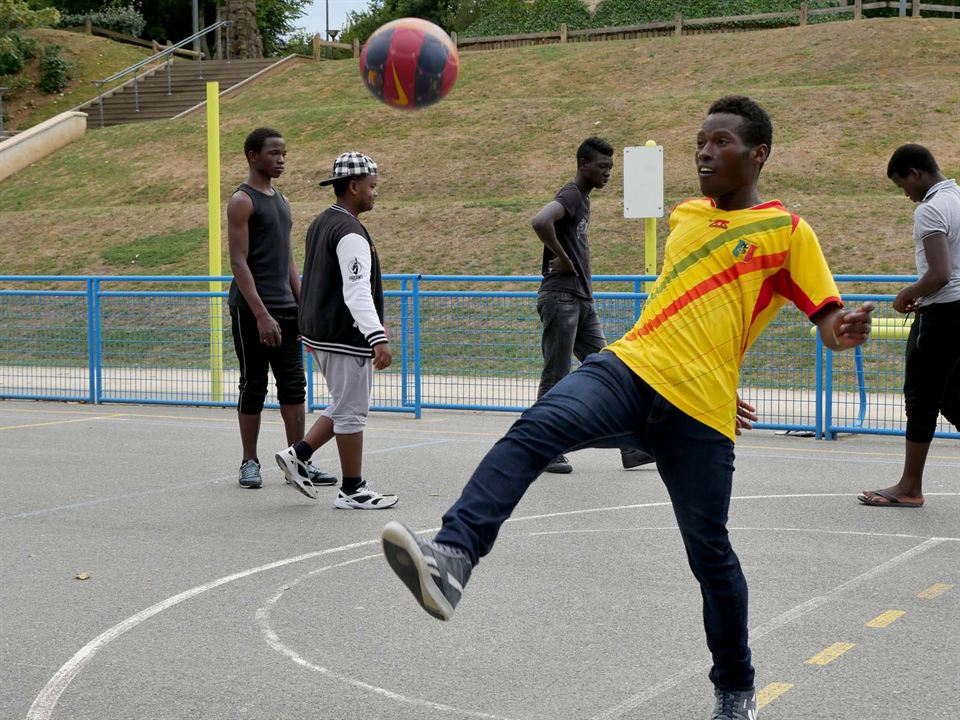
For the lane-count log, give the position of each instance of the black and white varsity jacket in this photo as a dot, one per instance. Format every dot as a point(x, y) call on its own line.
point(341, 296)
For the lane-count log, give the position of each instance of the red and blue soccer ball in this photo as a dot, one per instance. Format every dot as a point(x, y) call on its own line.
point(409, 63)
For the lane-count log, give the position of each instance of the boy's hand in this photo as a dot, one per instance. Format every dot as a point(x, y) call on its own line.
point(746, 415)
point(903, 303)
point(382, 357)
point(561, 265)
point(852, 327)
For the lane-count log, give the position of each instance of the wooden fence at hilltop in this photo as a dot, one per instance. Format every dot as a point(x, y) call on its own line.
point(691, 26)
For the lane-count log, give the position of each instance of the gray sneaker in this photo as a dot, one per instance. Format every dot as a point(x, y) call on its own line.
point(318, 476)
point(735, 705)
point(435, 573)
point(250, 474)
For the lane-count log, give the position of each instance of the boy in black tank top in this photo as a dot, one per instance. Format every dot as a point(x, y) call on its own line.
point(264, 298)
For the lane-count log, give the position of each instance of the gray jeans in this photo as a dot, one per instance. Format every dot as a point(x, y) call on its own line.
point(570, 327)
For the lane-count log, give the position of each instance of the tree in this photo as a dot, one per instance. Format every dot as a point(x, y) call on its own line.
point(448, 14)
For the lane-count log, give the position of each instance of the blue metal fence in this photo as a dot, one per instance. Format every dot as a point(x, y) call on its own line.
point(147, 339)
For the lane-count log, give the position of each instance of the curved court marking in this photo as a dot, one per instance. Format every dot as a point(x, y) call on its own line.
point(633, 702)
point(43, 705)
point(263, 619)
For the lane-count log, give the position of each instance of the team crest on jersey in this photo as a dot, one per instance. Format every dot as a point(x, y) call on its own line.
point(744, 251)
point(720, 223)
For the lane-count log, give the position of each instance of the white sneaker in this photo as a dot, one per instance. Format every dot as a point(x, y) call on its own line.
point(365, 498)
point(296, 472)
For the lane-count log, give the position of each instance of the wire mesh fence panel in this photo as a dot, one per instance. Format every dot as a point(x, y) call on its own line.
point(478, 350)
point(779, 373)
point(393, 388)
point(45, 345)
point(157, 349)
point(866, 385)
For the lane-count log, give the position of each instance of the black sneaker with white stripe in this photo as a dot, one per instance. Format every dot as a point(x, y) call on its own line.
point(734, 705)
point(435, 573)
point(365, 498)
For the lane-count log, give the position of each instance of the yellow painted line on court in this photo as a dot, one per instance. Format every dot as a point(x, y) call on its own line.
point(59, 422)
point(884, 619)
point(934, 591)
point(771, 692)
point(828, 655)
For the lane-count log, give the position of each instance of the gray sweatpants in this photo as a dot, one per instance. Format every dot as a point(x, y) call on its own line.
point(350, 381)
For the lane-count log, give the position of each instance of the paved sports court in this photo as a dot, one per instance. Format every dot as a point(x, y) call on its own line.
point(205, 600)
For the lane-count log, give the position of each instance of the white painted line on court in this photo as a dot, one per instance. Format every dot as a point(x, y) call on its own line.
point(47, 423)
point(44, 704)
point(681, 676)
point(46, 701)
point(745, 529)
point(273, 640)
point(181, 486)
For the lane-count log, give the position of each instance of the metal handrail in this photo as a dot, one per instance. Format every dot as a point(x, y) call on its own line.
point(165, 53)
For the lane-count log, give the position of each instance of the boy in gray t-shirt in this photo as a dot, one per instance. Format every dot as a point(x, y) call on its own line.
point(932, 383)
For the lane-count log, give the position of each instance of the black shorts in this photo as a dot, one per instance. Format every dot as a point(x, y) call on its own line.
point(256, 358)
point(932, 383)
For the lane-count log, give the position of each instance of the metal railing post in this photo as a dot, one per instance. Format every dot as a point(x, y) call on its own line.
point(818, 387)
point(136, 91)
point(169, 66)
point(91, 342)
point(418, 378)
point(97, 342)
point(2, 91)
point(404, 345)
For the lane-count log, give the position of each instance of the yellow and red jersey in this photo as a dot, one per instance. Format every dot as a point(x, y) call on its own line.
point(725, 275)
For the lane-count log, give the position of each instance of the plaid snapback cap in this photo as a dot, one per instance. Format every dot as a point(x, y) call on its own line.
point(351, 164)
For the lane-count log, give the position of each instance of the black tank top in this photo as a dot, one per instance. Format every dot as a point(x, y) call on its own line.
point(269, 250)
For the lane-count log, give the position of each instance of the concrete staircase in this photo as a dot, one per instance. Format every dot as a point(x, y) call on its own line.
point(187, 89)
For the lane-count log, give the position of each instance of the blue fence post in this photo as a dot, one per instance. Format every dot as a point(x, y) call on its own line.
point(818, 371)
point(828, 432)
point(91, 342)
point(404, 402)
point(97, 341)
point(418, 380)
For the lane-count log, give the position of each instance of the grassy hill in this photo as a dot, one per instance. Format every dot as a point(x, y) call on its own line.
point(92, 58)
point(460, 181)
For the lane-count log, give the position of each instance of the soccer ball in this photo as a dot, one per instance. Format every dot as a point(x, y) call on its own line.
point(409, 63)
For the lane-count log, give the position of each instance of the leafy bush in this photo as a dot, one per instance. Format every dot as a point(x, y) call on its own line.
point(611, 13)
point(116, 17)
point(509, 17)
point(54, 70)
point(11, 56)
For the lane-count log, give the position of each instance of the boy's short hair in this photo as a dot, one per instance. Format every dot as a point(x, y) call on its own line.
point(757, 127)
point(912, 156)
point(256, 139)
point(593, 147)
point(341, 185)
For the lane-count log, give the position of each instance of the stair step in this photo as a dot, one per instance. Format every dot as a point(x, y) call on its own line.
point(186, 91)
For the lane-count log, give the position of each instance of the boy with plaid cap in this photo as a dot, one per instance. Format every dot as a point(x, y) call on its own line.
point(341, 324)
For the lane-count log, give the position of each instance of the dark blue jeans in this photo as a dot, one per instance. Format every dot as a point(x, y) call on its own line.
point(605, 404)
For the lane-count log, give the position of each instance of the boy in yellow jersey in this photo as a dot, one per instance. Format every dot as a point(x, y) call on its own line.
point(668, 385)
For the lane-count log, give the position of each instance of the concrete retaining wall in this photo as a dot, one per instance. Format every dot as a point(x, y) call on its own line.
point(39, 141)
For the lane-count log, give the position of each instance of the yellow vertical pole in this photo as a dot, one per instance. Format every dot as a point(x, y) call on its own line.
point(213, 237)
point(650, 240)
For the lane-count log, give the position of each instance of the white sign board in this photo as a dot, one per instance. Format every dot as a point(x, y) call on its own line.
point(643, 182)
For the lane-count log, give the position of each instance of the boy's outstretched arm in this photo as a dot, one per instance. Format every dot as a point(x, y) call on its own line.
point(844, 329)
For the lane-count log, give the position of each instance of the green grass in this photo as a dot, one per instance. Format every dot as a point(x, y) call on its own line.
point(461, 180)
point(157, 252)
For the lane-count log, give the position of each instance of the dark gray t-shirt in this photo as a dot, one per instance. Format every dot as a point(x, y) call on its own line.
point(571, 232)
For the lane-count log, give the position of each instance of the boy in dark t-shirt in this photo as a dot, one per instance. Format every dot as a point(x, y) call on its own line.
point(565, 299)
point(263, 302)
